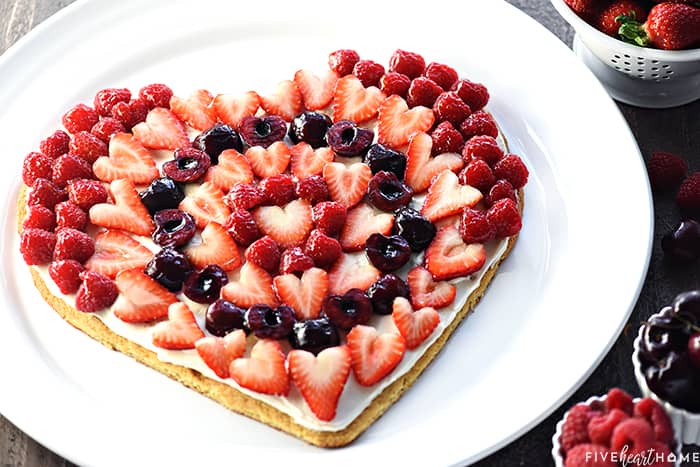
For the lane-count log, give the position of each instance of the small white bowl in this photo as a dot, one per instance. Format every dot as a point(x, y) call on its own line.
point(556, 445)
point(686, 424)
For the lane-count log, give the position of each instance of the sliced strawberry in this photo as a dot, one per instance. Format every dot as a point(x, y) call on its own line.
point(218, 352)
point(307, 162)
point(289, 225)
point(161, 130)
point(448, 256)
point(142, 298)
point(232, 168)
point(264, 371)
point(414, 326)
point(316, 92)
point(347, 185)
point(270, 161)
point(447, 197)
point(217, 247)
point(206, 204)
point(353, 102)
point(362, 221)
point(284, 101)
point(116, 251)
point(426, 292)
point(304, 295)
point(180, 331)
point(127, 159)
point(254, 285)
point(197, 110)
point(127, 213)
point(232, 109)
point(374, 355)
point(321, 378)
point(421, 168)
point(396, 123)
point(352, 271)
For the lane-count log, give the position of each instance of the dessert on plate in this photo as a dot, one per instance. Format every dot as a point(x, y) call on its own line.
point(298, 256)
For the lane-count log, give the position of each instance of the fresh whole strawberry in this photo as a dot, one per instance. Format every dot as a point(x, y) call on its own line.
point(669, 26)
point(609, 21)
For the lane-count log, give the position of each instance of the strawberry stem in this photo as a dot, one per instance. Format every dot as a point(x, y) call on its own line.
point(631, 30)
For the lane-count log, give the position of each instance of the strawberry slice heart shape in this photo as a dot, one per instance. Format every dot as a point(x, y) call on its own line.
point(305, 295)
point(217, 247)
point(414, 325)
point(206, 204)
point(232, 168)
point(347, 184)
point(180, 331)
point(448, 256)
point(142, 299)
point(447, 197)
point(253, 286)
point(264, 371)
point(316, 92)
point(232, 109)
point(352, 271)
point(127, 213)
point(321, 378)
point(352, 101)
point(284, 100)
point(421, 167)
point(397, 123)
point(218, 352)
point(289, 225)
point(127, 159)
point(197, 110)
point(307, 161)
point(426, 292)
point(161, 130)
point(361, 222)
point(374, 355)
point(270, 161)
point(116, 251)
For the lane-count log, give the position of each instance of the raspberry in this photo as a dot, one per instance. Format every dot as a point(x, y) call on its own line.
point(422, 92)
point(665, 170)
point(407, 63)
point(66, 275)
point(294, 260)
point(343, 61)
point(156, 95)
point(36, 246)
point(68, 214)
point(313, 189)
point(88, 146)
point(86, 193)
point(244, 196)
point(45, 193)
point(513, 169)
point(107, 98)
point(477, 174)
point(600, 427)
point(688, 197)
point(322, 249)
point(652, 412)
point(56, 144)
point(395, 83)
point(130, 113)
point(575, 428)
point(265, 252)
point(505, 217)
point(475, 95)
point(475, 226)
point(36, 165)
point(95, 293)
point(445, 76)
point(635, 433)
point(446, 139)
point(278, 189)
point(39, 217)
point(478, 123)
point(482, 147)
point(80, 118)
point(449, 107)
point(106, 127)
point(589, 455)
point(242, 227)
point(500, 190)
point(368, 72)
point(619, 399)
point(73, 244)
point(329, 217)
point(69, 167)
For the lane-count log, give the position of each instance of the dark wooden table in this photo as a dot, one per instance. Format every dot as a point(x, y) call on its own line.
point(675, 130)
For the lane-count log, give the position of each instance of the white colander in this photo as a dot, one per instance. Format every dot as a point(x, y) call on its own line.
point(635, 75)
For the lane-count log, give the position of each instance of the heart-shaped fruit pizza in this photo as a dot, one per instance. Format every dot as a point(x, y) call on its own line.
point(303, 259)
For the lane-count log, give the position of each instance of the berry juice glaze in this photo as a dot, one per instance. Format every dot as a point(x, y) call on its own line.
point(355, 397)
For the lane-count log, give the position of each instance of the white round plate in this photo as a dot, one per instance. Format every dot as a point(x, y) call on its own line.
point(553, 311)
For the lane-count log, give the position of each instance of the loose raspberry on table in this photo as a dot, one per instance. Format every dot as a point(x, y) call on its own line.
point(513, 169)
point(475, 226)
point(665, 170)
point(589, 455)
point(294, 260)
point(322, 249)
point(482, 147)
point(329, 217)
point(313, 188)
point(39, 217)
point(36, 165)
point(500, 190)
point(156, 95)
point(475, 95)
point(88, 146)
point(107, 98)
point(244, 196)
point(477, 174)
point(449, 107)
point(601, 426)
point(265, 252)
point(69, 167)
point(368, 72)
point(688, 197)
point(445, 76)
point(130, 113)
point(278, 189)
point(86, 193)
point(56, 144)
point(45, 193)
point(446, 139)
point(505, 217)
point(242, 227)
point(422, 91)
point(95, 293)
point(68, 214)
point(343, 61)
point(479, 123)
point(394, 83)
point(408, 63)
point(106, 127)
point(73, 244)
point(619, 399)
point(80, 118)
point(36, 246)
point(66, 275)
